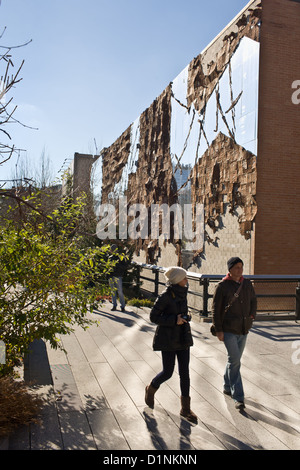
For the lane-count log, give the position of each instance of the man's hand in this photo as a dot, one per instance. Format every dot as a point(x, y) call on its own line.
point(220, 335)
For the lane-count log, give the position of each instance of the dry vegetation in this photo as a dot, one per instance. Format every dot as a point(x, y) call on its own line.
point(18, 406)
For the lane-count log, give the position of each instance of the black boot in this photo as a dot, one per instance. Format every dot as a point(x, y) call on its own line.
point(186, 411)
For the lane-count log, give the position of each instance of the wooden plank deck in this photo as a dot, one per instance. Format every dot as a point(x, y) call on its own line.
point(95, 392)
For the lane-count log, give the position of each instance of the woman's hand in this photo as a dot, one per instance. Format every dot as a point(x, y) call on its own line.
point(180, 320)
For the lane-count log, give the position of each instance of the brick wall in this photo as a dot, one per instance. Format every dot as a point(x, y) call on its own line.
point(277, 225)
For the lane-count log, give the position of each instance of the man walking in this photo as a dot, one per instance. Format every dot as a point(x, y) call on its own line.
point(116, 280)
point(233, 311)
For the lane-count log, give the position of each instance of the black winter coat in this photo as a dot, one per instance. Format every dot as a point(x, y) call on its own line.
point(238, 319)
point(168, 335)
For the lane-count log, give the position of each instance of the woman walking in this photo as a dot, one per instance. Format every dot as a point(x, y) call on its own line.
point(173, 338)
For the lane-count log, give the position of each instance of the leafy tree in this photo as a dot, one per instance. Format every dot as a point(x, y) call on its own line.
point(50, 274)
point(49, 278)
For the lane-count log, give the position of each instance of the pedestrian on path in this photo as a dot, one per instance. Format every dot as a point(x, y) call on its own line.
point(116, 280)
point(173, 338)
point(233, 311)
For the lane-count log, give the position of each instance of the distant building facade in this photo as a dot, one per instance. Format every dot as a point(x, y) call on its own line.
point(225, 135)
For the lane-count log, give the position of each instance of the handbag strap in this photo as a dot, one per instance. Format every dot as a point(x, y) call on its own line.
point(235, 296)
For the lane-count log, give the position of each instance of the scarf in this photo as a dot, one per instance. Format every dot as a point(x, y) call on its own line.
point(229, 278)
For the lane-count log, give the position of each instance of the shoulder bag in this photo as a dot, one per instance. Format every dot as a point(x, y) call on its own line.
point(235, 296)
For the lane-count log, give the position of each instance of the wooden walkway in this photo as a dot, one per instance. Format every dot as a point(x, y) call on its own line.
point(95, 393)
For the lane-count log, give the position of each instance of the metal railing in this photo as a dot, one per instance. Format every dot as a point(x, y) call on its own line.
point(275, 293)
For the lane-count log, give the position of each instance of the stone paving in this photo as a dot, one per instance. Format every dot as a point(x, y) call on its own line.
point(95, 393)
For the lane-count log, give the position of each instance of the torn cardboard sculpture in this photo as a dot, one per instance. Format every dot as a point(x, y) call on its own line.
point(203, 125)
point(226, 175)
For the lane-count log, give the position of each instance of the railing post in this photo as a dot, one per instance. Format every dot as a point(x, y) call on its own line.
point(298, 302)
point(138, 279)
point(156, 282)
point(205, 284)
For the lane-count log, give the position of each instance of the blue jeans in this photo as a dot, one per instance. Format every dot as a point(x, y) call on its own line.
point(235, 345)
point(116, 285)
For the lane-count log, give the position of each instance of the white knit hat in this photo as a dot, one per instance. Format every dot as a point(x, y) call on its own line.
point(175, 274)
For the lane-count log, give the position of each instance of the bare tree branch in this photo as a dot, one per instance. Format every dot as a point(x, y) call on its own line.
point(20, 200)
point(7, 82)
point(16, 47)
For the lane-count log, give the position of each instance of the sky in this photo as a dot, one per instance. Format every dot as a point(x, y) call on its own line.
point(92, 67)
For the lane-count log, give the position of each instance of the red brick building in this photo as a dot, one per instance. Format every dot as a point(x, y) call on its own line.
point(277, 222)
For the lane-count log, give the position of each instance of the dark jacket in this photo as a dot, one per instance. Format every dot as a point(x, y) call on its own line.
point(238, 319)
point(121, 265)
point(168, 335)
point(120, 268)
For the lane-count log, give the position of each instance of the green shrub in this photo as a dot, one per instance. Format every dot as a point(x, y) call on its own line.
point(49, 279)
point(141, 302)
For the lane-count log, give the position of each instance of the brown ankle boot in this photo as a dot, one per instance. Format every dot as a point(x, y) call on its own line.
point(186, 411)
point(149, 395)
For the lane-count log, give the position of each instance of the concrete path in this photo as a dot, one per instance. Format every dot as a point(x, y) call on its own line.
point(95, 393)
